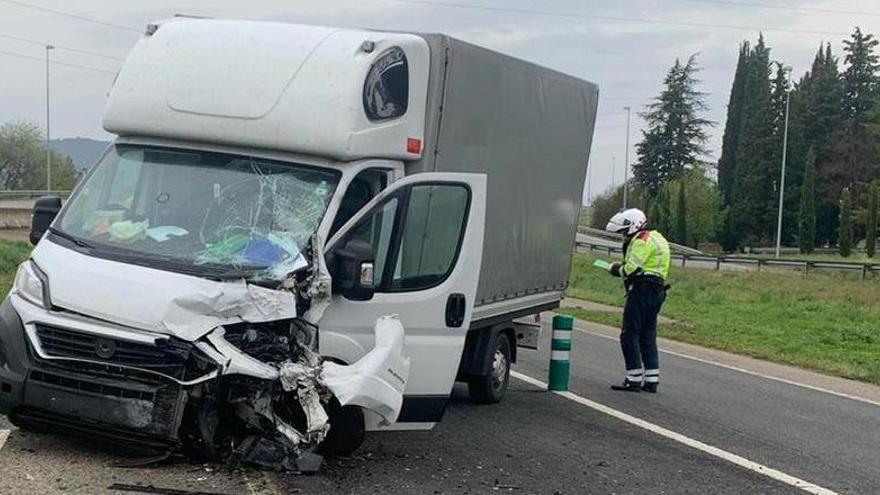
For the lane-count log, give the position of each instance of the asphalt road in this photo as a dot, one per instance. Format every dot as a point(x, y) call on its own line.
point(821, 438)
point(539, 442)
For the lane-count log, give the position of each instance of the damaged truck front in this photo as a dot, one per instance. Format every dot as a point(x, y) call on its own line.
point(171, 306)
point(299, 234)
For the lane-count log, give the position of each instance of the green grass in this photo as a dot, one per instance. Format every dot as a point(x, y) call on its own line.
point(603, 317)
point(829, 322)
point(12, 253)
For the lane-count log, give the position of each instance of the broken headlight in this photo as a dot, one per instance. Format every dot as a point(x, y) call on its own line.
point(32, 284)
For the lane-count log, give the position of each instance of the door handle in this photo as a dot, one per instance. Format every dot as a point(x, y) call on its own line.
point(455, 307)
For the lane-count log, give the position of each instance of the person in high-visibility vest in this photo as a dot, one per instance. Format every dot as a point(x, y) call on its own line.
point(644, 270)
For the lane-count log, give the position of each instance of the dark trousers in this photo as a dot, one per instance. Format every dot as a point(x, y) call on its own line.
point(638, 340)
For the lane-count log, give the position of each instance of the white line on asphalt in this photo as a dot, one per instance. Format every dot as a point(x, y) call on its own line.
point(748, 372)
point(4, 434)
point(690, 442)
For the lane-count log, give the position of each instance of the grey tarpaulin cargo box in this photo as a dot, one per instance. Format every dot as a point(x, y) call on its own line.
point(529, 129)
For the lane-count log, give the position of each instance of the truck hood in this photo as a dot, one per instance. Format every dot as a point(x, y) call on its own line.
point(180, 305)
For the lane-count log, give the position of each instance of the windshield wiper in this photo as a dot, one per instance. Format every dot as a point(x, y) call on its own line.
point(244, 272)
point(76, 240)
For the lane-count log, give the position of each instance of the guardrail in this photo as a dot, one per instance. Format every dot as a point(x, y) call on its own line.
point(615, 237)
point(807, 266)
point(32, 194)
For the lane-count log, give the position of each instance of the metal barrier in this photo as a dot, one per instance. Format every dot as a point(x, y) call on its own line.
point(615, 237)
point(758, 263)
point(32, 194)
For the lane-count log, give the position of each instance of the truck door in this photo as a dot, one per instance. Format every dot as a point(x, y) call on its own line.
point(425, 237)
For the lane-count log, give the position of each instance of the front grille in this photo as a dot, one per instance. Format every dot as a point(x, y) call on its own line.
point(89, 386)
point(169, 357)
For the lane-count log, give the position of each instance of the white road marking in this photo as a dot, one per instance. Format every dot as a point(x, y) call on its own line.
point(748, 372)
point(690, 442)
point(4, 434)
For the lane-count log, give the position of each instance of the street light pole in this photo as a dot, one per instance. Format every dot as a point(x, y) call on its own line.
point(48, 135)
point(782, 175)
point(613, 171)
point(589, 183)
point(626, 159)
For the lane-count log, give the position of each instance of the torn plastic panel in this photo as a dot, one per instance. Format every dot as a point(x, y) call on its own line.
point(279, 397)
point(376, 381)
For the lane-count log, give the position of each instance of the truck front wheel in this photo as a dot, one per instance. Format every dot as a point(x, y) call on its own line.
point(346, 430)
point(490, 388)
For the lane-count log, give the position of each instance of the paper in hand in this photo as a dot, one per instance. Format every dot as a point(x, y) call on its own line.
point(602, 264)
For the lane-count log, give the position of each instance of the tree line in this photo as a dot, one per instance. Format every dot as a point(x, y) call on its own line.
point(831, 189)
point(23, 160)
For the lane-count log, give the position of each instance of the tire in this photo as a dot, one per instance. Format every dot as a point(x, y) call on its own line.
point(490, 388)
point(347, 431)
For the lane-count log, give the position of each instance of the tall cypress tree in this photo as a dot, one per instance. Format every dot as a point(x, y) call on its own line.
point(681, 233)
point(754, 170)
point(730, 141)
point(871, 223)
point(807, 219)
point(795, 159)
point(844, 235)
point(664, 211)
point(853, 158)
point(779, 96)
point(860, 77)
point(819, 105)
point(676, 137)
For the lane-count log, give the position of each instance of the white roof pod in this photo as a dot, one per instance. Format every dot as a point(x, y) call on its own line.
point(291, 87)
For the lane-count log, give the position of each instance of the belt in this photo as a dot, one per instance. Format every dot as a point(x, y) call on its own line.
point(649, 279)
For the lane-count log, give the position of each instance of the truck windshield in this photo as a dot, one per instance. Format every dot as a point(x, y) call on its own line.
point(208, 214)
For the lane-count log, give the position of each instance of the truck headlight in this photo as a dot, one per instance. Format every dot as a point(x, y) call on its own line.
point(32, 284)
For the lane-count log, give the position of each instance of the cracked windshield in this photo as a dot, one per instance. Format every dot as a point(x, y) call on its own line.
point(214, 213)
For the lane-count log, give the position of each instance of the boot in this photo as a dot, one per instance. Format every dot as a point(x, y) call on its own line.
point(650, 387)
point(628, 386)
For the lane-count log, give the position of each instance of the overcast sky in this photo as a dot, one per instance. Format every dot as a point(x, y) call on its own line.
point(623, 45)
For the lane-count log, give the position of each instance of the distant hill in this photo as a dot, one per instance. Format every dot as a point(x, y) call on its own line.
point(83, 151)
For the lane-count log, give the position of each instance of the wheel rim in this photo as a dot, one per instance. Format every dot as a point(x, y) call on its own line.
point(499, 369)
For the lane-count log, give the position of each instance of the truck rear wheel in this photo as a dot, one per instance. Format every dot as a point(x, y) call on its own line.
point(490, 388)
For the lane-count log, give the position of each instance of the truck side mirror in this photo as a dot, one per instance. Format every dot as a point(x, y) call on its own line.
point(352, 270)
point(45, 210)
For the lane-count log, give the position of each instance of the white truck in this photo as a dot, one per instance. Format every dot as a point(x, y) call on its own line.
point(299, 233)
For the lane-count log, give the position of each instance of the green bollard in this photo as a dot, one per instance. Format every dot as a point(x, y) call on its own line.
point(560, 351)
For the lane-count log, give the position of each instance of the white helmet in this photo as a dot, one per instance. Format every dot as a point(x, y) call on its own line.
point(627, 222)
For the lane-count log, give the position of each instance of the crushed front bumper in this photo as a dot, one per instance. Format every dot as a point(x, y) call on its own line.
point(154, 393)
point(55, 378)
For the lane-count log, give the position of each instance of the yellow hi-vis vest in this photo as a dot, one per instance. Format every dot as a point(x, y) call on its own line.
point(647, 251)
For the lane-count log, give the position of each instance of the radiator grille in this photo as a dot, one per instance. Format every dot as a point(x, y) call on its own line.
point(91, 386)
point(169, 359)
